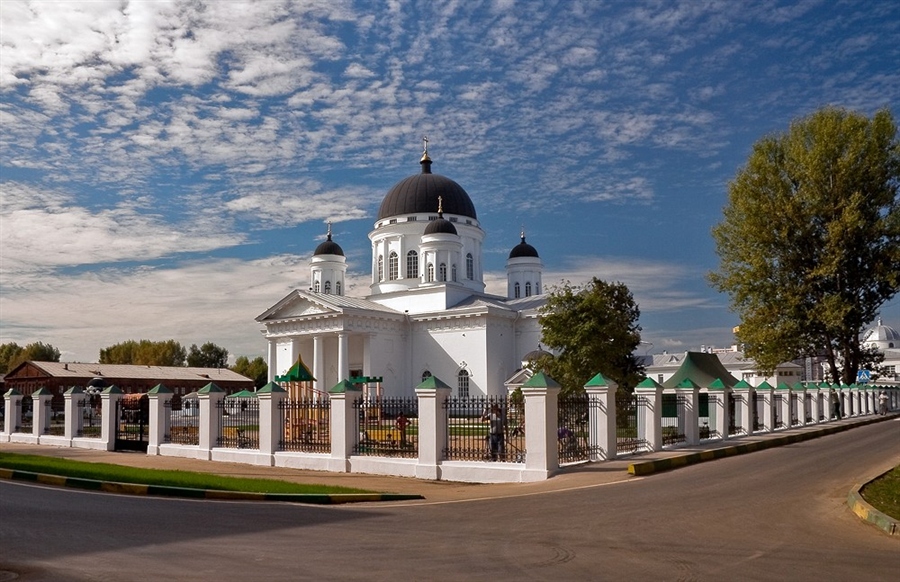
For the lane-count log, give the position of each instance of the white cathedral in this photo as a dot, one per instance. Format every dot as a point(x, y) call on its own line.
point(427, 313)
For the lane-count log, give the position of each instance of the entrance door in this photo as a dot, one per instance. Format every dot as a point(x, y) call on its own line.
point(132, 428)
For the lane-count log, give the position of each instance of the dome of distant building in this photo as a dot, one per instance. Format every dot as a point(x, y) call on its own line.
point(535, 355)
point(882, 336)
point(419, 194)
point(523, 249)
point(329, 247)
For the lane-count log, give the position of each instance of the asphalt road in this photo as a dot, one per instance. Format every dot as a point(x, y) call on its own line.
point(778, 514)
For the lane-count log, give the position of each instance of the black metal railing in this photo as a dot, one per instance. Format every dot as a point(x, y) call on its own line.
point(56, 417)
point(25, 415)
point(306, 425)
point(91, 414)
point(735, 403)
point(184, 423)
point(574, 414)
point(238, 420)
point(629, 409)
point(673, 419)
point(777, 420)
point(387, 427)
point(485, 428)
point(759, 401)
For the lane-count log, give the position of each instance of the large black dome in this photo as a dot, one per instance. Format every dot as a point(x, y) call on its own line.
point(419, 194)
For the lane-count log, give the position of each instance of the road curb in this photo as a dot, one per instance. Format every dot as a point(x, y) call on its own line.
point(869, 514)
point(649, 467)
point(213, 494)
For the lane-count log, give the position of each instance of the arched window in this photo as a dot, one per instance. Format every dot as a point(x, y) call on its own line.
point(393, 266)
point(430, 277)
point(327, 287)
point(462, 383)
point(443, 271)
point(453, 273)
point(470, 267)
point(528, 289)
point(380, 268)
point(517, 290)
point(426, 375)
point(337, 287)
point(412, 265)
point(316, 287)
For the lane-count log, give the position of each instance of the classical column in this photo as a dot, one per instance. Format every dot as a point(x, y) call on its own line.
point(273, 359)
point(343, 356)
point(319, 363)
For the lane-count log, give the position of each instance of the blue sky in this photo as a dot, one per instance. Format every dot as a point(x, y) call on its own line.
point(168, 167)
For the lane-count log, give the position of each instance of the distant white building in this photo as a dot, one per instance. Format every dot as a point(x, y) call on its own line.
point(427, 312)
point(886, 340)
point(661, 367)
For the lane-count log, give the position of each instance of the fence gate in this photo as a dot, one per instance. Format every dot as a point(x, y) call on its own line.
point(132, 423)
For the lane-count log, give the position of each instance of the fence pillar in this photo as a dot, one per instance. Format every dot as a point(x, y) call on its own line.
point(344, 430)
point(872, 400)
point(41, 411)
point(650, 427)
point(159, 417)
point(690, 392)
point(783, 396)
point(766, 409)
point(718, 408)
point(109, 420)
point(12, 416)
point(209, 398)
point(601, 418)
point(74, 396)
point(541, 417)
point(799, 390)
point(745, 405)
point(432, 393)
point(271, 427)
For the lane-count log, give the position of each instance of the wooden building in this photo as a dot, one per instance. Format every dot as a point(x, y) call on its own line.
point(58, 377)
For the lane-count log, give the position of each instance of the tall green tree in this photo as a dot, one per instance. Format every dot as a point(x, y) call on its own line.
point(11, 354)
point(144, 353)
point(209, 355)
point(593, 328)
point(809, 246)
point(257, 369)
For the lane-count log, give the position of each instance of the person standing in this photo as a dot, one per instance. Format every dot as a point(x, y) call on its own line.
point(494, 418)
point(882, 403)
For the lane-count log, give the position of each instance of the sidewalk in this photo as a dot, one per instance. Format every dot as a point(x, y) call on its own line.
point(570, 477)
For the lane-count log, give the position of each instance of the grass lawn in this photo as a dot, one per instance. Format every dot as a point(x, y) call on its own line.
point(884, 493)
point(119, 474)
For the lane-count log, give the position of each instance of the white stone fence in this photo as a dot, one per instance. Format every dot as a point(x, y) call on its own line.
point(755, 410)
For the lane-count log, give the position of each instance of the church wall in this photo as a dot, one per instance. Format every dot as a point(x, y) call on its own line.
point(500, 354)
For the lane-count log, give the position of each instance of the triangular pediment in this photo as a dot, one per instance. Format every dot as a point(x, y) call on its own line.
point(297, 305)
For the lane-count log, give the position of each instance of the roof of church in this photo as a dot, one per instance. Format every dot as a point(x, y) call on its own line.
point(523, 249)
point(329, 247)
point(419, 194)
point(703, 369)
point(440, 225)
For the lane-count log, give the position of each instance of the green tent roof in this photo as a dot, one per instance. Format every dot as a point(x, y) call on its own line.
point(703, 369)
point(298, 373)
